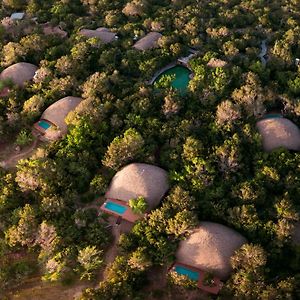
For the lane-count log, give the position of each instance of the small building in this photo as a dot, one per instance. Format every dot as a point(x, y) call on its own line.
point(131, 182)
point(48, 29)
point(277, 132)
point(52, 125)
point(102, 33)
point(208, 251)
point(17, 16)
point(149, 41)
point(19, 73)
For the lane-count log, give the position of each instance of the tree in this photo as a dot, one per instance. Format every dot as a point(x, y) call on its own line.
point(90, 259)
point(138, 205)
point(248, 263)
point(227, 113)
point(250, 96)
point(25, 231)
point(139, 259)
point(124, 149)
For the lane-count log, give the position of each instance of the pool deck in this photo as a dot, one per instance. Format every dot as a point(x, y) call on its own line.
point(128, 215)
point(41, 129)
point(209, 289)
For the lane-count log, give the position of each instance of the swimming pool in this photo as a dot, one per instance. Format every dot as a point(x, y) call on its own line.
point(187, 272)
point(117, 208)
point(44, 124)
point(182, 77)
point(272, 116)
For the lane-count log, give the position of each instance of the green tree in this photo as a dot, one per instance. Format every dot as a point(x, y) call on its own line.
point(25, 231)
point(124, 149)
point(138, 205)
point(90, 259)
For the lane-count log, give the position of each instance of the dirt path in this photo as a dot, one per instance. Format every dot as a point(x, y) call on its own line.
point(12, 160)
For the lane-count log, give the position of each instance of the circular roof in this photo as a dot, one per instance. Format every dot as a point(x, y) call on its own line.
point(58, 111)
point(19, 73)
point(210, 248)
point(139, 179)
point(104, 34)
point(279, 132)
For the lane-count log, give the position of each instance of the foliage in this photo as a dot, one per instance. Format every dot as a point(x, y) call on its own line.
point(206, 139)
point(138, 205)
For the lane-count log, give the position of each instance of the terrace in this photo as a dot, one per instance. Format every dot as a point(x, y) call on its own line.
point(121, 209)
point(198, 275)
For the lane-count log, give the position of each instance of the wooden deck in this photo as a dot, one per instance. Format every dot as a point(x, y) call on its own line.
point(128, 215)
point(214, 289)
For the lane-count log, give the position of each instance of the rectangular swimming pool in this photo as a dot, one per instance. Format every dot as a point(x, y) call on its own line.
point(44, 124)
point(193, 275)
point(115, 207)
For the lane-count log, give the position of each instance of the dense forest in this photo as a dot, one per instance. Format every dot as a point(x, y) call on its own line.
point(205, 138)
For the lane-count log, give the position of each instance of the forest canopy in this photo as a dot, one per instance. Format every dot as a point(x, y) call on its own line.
point(242, 68)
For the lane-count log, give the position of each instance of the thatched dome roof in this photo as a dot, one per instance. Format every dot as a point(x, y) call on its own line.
point(210, 248)
point(148, 41)
point(19, 73)
point(296, 234)
point(48, 29)
point(279, 132)
point(104, 34)
point(58, 111)
point(139, 179)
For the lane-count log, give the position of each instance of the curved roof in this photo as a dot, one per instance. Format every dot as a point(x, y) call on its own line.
point(19, 73)
point(104, 34)
point(57, 112)
point(279, 132)
point(48, 29)
point(296, 234)
point(139, 179)
point(210, 248)
point(148, 41)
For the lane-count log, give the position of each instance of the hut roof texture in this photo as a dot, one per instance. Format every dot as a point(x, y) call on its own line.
point(48, 29)
point(19, 73)
point(104, 34)
point(148, 41)
point(139, 179)
point(210, 248)
point(279, 132)
point(58, 111)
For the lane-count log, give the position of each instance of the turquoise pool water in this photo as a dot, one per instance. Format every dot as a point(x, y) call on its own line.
point(272, 116)
point(182, 77)
point(117, 208)
point(187, 272)
point(45, 125)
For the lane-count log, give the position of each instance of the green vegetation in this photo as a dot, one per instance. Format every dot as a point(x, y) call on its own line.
point(138, 205)
point(205, 138)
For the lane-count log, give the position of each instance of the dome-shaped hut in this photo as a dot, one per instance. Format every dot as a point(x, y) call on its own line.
point(48, 29)
point(209, 248)
point(133, 181)
point(279, 132)
point(19, 73)
point(149, 41)
point(52, 123)
point(102, 33)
